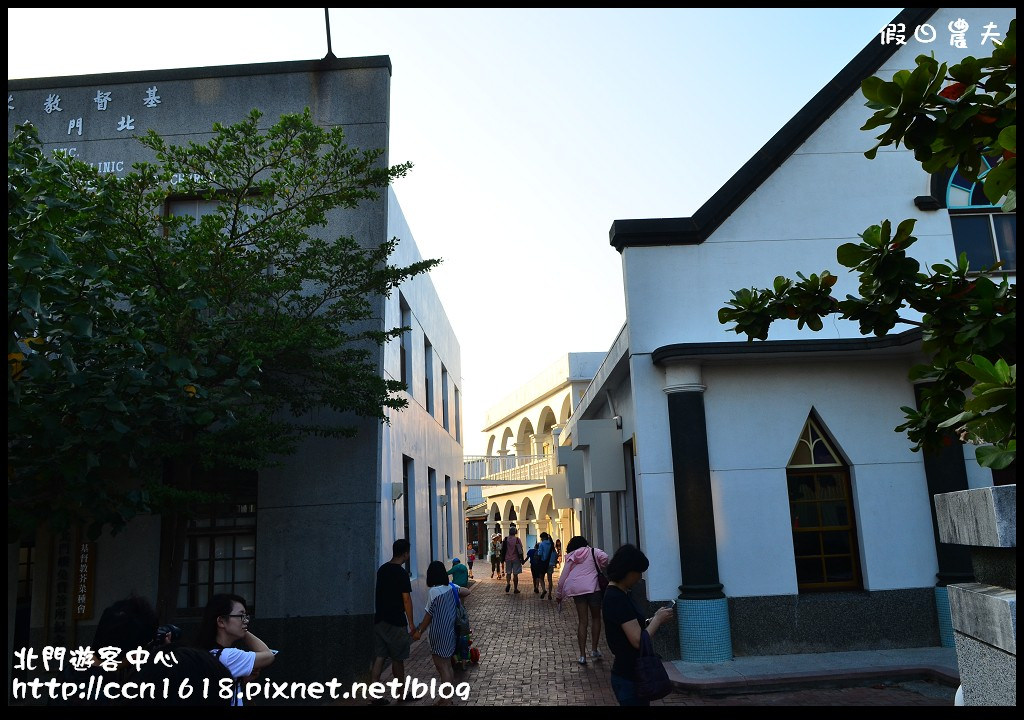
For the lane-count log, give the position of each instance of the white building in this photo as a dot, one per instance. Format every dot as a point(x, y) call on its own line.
point(771, 492)
point(519, 479)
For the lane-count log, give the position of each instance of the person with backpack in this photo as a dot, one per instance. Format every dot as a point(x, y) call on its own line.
point(581, 579)
point(496, 556)
point(546, 557)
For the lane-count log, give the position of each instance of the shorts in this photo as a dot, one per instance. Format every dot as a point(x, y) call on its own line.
point(513, 567)
point(391, 641)
point(538, 568)
point(594, 599)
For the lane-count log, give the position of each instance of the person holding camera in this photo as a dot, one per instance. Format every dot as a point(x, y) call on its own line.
point(624, 623)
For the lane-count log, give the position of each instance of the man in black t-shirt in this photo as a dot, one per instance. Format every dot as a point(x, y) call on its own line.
point(392, 620)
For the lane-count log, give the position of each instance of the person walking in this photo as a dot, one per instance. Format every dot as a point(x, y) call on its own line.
point(439, 618)
point(225, 623)
point(512, 554)
point(579, 581)
point(536, 567)
point(496, 555)
point(470, 558)
point(546, 555)
point(624, 623)
point(558, 552)
point(393, 623)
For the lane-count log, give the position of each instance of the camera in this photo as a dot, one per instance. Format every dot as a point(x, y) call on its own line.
point(165, 634)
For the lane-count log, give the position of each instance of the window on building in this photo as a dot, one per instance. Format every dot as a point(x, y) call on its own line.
point(444, 396)
point(435, 529)
point(980, 229)
point(220, 546)
point(428, 374)
point(458, 423)
point(821, 511)
point(405, 369)
point(450, 513)
point(407, 503)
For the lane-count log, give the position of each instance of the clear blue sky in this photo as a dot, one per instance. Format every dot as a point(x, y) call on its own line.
point(530, 130)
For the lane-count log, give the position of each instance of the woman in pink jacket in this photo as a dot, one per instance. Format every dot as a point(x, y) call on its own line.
point(579, 581)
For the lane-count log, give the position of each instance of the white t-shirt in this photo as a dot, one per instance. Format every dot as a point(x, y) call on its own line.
point(239, 663)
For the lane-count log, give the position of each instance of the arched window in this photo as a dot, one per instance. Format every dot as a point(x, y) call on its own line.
point(980, 228)
point(821, 508)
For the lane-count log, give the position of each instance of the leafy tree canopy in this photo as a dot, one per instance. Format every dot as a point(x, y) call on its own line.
point(144, 345)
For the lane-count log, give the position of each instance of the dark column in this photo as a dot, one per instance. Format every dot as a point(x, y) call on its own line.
point(698, 547)
point(946, 472)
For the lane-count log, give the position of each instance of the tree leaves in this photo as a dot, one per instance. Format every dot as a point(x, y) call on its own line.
point(168, 339)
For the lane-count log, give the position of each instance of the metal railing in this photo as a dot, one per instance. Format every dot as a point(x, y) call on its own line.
point(508, 469)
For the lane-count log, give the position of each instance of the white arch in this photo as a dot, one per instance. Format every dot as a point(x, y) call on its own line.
point(525, 431)
point(563, 416)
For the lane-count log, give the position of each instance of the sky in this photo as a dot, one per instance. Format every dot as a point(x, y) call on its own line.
point(530, 131)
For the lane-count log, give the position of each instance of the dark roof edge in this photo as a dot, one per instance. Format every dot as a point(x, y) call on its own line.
point(288, 66)
point(686, 351)
point(697, 229)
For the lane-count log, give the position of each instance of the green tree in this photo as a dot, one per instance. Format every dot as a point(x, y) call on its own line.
point(144, 347)
point(950, 118)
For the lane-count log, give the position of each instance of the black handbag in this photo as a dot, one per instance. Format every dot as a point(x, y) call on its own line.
point(649, 674)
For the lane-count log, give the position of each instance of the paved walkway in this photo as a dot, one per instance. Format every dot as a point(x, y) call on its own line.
point(528, 657)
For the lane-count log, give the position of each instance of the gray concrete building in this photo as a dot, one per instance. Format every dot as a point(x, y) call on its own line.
point(302, 541)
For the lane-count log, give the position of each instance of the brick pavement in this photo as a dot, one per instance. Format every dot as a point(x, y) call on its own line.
point(528, 657)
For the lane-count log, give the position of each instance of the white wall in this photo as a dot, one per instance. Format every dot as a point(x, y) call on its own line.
point(415, 433)
point(754, 418)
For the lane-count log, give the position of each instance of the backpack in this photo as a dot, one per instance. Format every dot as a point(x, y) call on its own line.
point(461, 616)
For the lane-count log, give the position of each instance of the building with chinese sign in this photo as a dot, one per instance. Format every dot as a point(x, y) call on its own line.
point(302, 541)
point(773, 497)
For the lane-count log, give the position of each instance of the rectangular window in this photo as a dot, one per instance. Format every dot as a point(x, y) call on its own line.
point(434, 525)
point(407, 503)
point(220, 546)
point(824, 536)
point(428, 374)
point(451, 510)
point(986, 238)
point(406, 346)
point(444, 396)
point(458, 423)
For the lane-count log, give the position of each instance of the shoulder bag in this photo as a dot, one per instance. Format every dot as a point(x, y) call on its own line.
point(602, 579)
point(649, 674)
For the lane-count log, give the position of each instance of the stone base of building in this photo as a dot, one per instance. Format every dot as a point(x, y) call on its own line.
point(834, 622)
